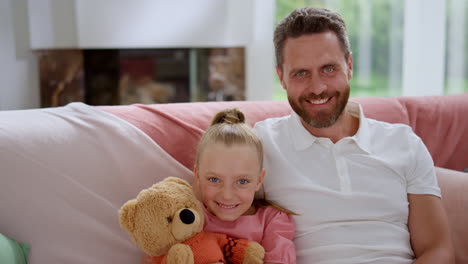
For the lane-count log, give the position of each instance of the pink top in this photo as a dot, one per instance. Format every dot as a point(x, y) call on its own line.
point(273, 229)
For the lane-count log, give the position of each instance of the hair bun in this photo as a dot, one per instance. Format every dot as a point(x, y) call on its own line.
point(229, 116)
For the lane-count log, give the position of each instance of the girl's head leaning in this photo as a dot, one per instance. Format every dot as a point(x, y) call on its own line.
point(229, 166)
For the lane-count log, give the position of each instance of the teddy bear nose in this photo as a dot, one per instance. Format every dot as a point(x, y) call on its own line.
point(186, 216)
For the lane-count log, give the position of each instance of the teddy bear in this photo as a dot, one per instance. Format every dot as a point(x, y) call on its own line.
point(166, 221)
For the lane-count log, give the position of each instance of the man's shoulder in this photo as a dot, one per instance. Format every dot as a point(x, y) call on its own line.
point(272, 122)
point(382, 126)
point(392, 132)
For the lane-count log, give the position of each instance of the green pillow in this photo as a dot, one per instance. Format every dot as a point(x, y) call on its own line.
point(12, 252)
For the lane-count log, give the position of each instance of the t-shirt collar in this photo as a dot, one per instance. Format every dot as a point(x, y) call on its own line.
point(362, 136)
point(302, 139)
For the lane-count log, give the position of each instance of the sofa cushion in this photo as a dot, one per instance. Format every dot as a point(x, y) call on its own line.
point(65, 172)
point(384, 109)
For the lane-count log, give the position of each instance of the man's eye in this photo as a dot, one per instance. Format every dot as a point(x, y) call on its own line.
point(328, 69)
point(300, 73)
point(243, 181)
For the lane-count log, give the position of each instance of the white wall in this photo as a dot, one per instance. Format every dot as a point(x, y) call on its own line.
point(260, 52)
point(52, 23)
point(19, 88)
point(140, 23)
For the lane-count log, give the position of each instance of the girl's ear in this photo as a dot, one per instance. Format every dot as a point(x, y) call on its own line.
point(260, 180)
point(195, 174)
point(196, 184)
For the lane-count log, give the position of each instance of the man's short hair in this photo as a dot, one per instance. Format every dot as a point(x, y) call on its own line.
point(309, 20)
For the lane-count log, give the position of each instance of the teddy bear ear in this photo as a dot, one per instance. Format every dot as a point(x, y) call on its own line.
point(127, 215)
point(178, 180)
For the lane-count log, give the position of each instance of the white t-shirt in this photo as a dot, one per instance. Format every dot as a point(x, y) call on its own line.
point(351, 195)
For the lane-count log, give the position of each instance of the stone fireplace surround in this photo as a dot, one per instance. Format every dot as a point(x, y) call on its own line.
point(128, 76)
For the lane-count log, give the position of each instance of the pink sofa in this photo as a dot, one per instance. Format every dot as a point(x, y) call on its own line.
point(66, 171)
point(441, 122)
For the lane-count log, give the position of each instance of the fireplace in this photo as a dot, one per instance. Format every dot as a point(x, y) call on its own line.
point(146, 76)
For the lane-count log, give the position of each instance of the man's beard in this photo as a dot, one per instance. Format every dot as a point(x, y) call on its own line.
point(321, 118)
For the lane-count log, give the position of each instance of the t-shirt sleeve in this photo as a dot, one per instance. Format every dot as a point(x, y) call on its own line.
point(421, 177)
point(278, 238)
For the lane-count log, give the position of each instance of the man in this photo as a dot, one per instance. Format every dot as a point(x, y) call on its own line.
point(365, 190)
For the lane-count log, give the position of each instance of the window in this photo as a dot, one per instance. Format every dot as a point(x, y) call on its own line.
point(456, 71)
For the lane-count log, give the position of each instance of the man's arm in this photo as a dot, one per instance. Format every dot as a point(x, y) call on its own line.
point(429, 230)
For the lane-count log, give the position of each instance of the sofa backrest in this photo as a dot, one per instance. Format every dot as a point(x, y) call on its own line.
point(178, 127)
point(440, 121)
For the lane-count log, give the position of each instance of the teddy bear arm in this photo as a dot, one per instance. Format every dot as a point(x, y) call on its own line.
point(180, 254)
point(241, 251)
point(254, 254)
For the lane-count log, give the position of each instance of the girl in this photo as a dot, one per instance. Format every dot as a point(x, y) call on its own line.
point(228, 171)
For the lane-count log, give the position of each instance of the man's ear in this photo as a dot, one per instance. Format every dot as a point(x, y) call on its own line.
point(279, 72)
point(350, 66)
point(260, 180)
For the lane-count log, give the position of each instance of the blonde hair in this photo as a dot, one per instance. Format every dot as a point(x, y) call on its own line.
point(229, 127)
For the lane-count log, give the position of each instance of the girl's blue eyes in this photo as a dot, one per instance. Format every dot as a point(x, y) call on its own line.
point(213, 179)
point(216, 180)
